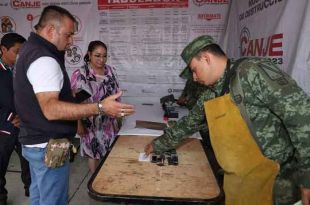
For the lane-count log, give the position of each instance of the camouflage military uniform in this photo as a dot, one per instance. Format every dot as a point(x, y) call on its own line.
point(192, 91)
point(280, 119)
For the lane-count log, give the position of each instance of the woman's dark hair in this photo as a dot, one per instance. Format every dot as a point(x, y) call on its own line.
point(211, 48)
point(92, 46)
point(10, 39)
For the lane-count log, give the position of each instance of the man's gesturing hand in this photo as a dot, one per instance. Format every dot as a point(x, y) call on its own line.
point(114, 108)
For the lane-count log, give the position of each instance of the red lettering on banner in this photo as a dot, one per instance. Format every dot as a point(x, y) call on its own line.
point(16, 4)
point(259, 46)
point(29, 17)
point(272, 46)
point(209, 17)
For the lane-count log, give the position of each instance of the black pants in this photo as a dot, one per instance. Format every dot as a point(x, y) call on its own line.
point(8, 143)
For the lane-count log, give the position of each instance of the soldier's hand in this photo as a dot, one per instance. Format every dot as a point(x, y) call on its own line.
point(305, 196)
point(182, 101)
point(148, 149)
point(114, 108)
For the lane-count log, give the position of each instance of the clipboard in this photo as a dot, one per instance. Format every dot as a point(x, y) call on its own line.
point(81, 96)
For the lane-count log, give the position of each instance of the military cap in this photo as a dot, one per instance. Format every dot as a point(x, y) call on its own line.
point(186, 73)
point(191, 50)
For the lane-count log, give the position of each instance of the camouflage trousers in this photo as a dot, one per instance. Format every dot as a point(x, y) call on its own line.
point(286, 191)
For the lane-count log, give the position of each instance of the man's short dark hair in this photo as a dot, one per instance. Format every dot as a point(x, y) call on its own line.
point(10, 39)
point(215, 49)
point(55, 13)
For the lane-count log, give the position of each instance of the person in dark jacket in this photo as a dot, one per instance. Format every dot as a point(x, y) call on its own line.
point(9, 120)
point(47, 108)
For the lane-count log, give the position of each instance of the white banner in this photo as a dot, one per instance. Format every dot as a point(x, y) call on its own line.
point(144, 37)
point(276, 29)
point(21, 17)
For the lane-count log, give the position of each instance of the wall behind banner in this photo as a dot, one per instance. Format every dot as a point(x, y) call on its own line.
point(145, 38)
point(275, 29)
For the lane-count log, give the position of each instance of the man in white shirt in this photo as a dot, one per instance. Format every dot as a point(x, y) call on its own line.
point(46, 106)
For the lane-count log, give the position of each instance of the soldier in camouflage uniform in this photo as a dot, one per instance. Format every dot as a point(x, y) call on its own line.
point(191, 92)
point(188, 98)
point(280, 115)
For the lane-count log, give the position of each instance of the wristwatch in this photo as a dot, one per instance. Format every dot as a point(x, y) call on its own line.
point(100, 108)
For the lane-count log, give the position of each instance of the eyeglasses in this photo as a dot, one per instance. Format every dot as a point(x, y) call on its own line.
point(100, 56)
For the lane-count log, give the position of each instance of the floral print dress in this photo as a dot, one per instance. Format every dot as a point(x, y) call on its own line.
point(100, 131)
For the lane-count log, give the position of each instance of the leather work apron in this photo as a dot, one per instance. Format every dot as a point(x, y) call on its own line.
point(248, 175)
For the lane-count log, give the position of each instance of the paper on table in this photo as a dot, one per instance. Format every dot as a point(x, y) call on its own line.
point(152, 113)
point(298, 203)
point(144, 158)
point(141, 131)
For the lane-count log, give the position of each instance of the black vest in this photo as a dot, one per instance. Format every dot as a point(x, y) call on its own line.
point(35, 128)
